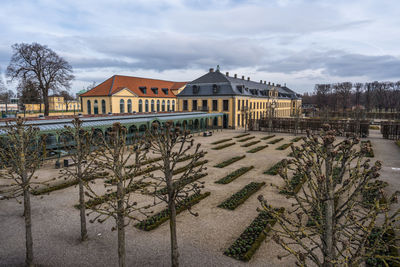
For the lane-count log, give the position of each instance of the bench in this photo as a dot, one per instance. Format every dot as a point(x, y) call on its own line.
point(209, 133)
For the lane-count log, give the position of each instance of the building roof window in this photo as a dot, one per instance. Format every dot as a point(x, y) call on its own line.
point(215, 88)
point(165, 90)
point(143, 89)
point(155, 90)
point(196, 89)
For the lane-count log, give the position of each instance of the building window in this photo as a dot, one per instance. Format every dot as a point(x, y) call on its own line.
point(122, 106)
point(194, 104)
point(152, 106)
point(238, 104)
point(140, 105)
point(103, 106)
point(173, 105)
point(163, 105)
point(146, 105)
point(185, 105)
point(95, 107)
point(205, 105)
point(238, 119)
point(168, 108)
point(215, 105)
point(89, 107)
point(129, 106)
point(225, 105)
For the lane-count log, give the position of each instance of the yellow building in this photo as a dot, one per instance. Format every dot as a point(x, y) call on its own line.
point(56, 104)
point(125, 94)
point(237, 98)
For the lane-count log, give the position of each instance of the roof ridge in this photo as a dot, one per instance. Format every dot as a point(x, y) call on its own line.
point(112, 85)
point(146, 78)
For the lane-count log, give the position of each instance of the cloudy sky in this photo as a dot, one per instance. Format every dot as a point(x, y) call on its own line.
point(297, 42)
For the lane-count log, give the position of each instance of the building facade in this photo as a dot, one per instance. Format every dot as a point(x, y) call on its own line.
point(125, 94)
point(239, 99)
point(57, 104)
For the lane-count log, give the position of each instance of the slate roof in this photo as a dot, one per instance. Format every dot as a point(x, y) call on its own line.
point(228, 85)
point(117, 83)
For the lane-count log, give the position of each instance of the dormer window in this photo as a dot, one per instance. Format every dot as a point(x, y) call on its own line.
point(143, 89)
point(215, 88)
point(196, 89)
point(155, 90)
point(165, 90)
point(240, 88)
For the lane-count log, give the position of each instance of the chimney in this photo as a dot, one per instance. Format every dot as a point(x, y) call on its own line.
point(227, 74)
point(265, 82)
point(284, 84)
point(248, 78)
point(260, 81)
point(273, 84)
point(235, 75)
point(211, 70)
point(242, 77)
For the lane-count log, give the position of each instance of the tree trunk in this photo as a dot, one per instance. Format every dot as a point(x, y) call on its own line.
point(82, 211)
point(28, 228)
point(121, 226)
point(172, 227)
point(328, 236)
point(46, 105)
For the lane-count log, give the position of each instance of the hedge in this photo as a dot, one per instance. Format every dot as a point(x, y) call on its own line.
point(223, 146)
point(389, 237)
point(275, 141)
point(159, 218)
point(181, 183)
point(241, 135)
point(250, 143)
point(229, 161)
point(284, 146)
point(274, 169)
point(221, 141)
point(241, 196)
point(234, 175)
point(246, 139)
point(296, 139)
point(268, 137)
point(398, 142)
point(250, 240)
point(184, 168)
point(256, 149)
point(295, 185)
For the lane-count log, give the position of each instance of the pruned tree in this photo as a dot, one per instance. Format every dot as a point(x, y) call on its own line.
point(329, 223)
point(80, 144)
point(41, 65)
point(20, 157)
point(173, 145)
point(114, 156)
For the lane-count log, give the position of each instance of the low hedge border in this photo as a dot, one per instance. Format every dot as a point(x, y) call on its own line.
point(274, 169)
point(241, 196)
point(275, 141)
point(284, 146)
point(374, 127)
point(229, 161)
point(246, 139)
point(398, 142)
point(251, 238)
point(241, 135)
point(99, 200)
point(296, 139)
point(181, 183)
point(370, 195)
point(159, 218)
point(66, 184)
point(223, 146)
point(184, 168)
point(370, 153)
point(146, 162)
point(221, 141)
point(250, 143)
point(234, 175)
point(295, 185)
point(256, 149)
point(268, 137)
point(389, 237)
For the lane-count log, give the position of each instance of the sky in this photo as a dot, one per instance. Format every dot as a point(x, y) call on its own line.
point(297, 42)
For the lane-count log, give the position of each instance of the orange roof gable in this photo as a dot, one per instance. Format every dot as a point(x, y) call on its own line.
point(117, 82)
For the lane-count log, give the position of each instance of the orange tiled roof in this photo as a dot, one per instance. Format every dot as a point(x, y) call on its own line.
point(118, 82)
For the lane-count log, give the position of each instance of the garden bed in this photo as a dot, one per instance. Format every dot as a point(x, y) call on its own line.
point(221, 141)
point(250, 240)
point(184, 168)
point(241, 196)
point(268, 137)
point(256, 149)
point(284, 146)
point(373, 192)
point(234, 175)
point(274, 169)
point(295, 185)
point(223, 146)
point(229, 161)
point(157, 219)
point(250, 143)
point(275, 141)
point(246, 139)
point(241, 135)
point(296, 139)
point(390, 250)
point(181, 183)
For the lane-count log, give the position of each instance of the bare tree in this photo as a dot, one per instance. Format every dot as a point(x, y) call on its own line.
point(174, 144)
point(67, 98)
point(41, 65)
point(329, 224)
point(118, 203)
point(20, 157)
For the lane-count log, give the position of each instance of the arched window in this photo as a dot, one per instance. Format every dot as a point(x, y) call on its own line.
point(168, 106)
point(158, 105)
point(173, 105)
point(89, 107)
point(163, 105)
point(152, 106)
point(140, 105)
point(129, 106)
point(146, 106)
point(103, 106)
point(122, 106)
point(96, 107)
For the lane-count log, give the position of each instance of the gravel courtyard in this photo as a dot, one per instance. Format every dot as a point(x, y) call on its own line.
point(201, 239)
